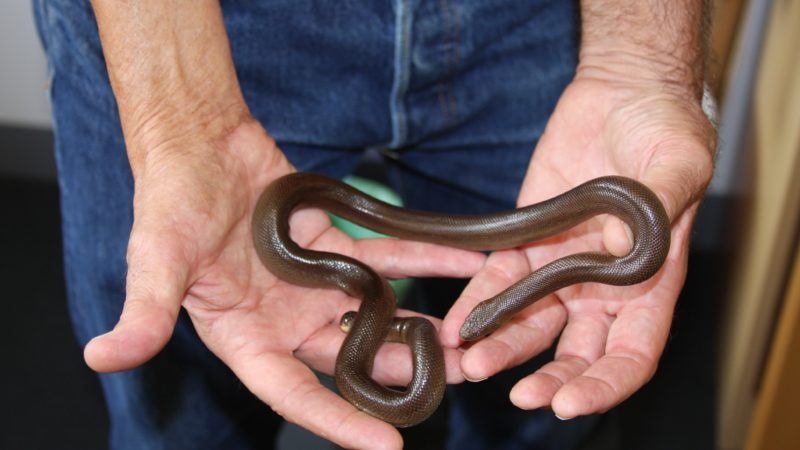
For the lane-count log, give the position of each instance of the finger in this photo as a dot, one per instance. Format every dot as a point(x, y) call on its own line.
point(582, 342)
point(398, 258)
point(677, 182)
point(155, 287)
point(292, 390)
point(501, 270)
point(537, 389)
point(677, 171)
point(606, 383)
point(617, 236)
point(635, 342)
point(393, 364)
point(529, 333)
point(678, 174)
point(306, 225)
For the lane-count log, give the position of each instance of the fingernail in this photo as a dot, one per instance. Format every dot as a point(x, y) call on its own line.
point(476, 380)
point(561, 418)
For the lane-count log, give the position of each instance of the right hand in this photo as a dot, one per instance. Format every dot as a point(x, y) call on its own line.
point(191, 246)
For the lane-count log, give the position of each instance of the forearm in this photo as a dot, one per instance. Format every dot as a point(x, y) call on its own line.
point(651, 40)
point(171, 70)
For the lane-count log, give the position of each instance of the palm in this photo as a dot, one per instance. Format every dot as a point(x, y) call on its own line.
point(242, 311)
point(191, 245)
point(267, 330)
point(584, 142)
point(611, 336)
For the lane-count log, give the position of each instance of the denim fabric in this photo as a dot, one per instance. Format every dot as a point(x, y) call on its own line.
point(454, 95)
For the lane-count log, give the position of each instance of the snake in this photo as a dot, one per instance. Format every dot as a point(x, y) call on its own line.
point(375, 323)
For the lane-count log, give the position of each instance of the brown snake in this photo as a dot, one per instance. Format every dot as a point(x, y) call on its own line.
point(375, 323)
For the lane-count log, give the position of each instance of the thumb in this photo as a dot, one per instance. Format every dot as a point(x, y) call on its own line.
point(155, 287)
point(678, 178)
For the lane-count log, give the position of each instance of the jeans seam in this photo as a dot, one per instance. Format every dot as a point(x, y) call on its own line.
point(402, 62)
point(451, 41)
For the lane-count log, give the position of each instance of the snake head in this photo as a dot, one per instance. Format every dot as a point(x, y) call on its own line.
point(482, 321)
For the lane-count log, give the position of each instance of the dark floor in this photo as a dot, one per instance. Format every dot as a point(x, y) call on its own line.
point(51, 400)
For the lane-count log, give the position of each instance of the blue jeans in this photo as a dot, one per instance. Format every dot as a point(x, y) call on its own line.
point(454, 93)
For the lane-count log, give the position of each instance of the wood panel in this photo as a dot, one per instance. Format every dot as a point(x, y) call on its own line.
point(725, 19)
point(767, 247)
point(775, 420)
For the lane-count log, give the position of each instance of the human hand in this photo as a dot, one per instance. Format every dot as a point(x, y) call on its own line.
point(611, 337)
point(199, 163)
point(191, 246)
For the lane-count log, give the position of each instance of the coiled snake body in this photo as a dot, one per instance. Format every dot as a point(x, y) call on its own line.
point(374, 323)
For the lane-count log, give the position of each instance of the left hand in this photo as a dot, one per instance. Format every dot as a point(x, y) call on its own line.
point(611, 337)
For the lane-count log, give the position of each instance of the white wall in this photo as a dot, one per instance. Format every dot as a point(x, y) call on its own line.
point(23, 70)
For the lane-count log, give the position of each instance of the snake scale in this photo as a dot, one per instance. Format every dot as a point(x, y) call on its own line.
point(375, 323)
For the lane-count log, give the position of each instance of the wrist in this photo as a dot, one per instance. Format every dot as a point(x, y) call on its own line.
point(182, 125)
point(648, 43)
point(639, 68)
point(170, 66)
point(153, 122)
point(241, 157)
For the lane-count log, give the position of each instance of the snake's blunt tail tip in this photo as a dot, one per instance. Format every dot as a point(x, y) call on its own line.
point(346, 322)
